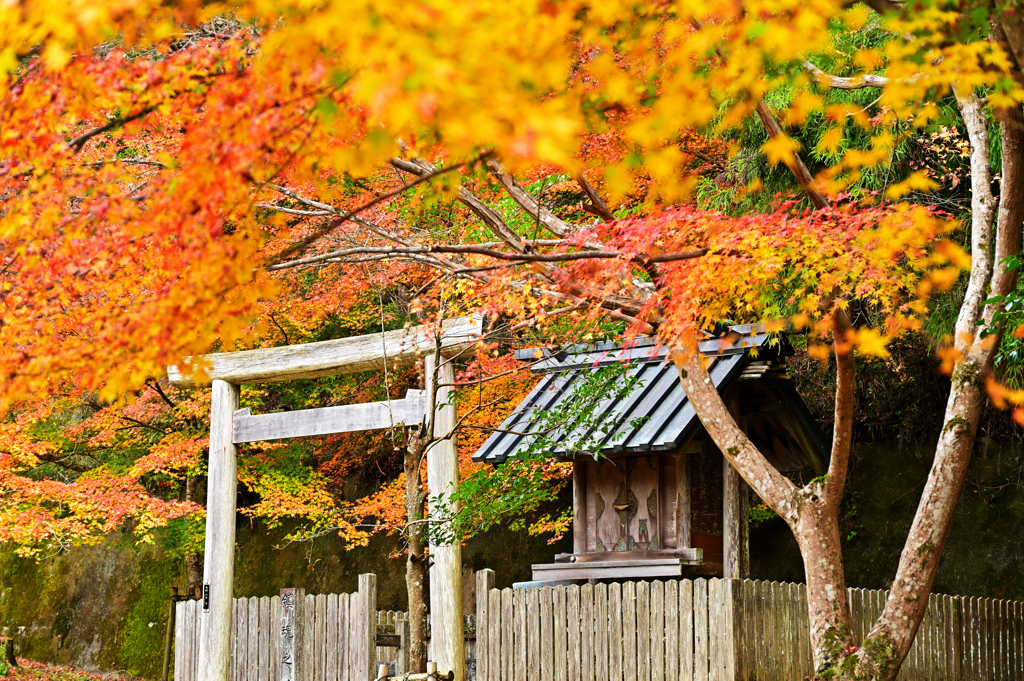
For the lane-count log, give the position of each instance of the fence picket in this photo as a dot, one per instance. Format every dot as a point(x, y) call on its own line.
point(601, 632)
point(195, 638)
point(331, 637)
point(700, 629)
point(629, 631)
point(546, 651)
point(519, 612)
point(264, 639)
point(252, 664)
point(672, 667)
point(587, 636)
point(573, 617)
point(615, 632)
point(508, 633)
point(686, 630)
point(533, 633)
point(179, 629)
point(344, 634)
point(275, 638)
point(188, 639)
point(559, 629)
point(656, 616)
point(494, 634)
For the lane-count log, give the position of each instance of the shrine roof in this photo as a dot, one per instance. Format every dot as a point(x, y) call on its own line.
point(641, 407)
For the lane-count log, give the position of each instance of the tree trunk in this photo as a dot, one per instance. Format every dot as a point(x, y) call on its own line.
point(415, 564)
point(193, 561)
point(812, 511)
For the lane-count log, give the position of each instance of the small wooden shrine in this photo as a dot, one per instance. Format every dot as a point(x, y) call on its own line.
point(652, 495)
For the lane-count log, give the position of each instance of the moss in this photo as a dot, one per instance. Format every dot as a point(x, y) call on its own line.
point(733, 451)
point(956, 421)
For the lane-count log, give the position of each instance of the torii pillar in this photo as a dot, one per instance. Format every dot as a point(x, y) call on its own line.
point(230, 426)
point(446, 632)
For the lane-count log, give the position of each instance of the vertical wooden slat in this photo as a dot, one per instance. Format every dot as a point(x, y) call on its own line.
point(984, 665)
point(179, 629)
point(252, 666)
point(615, 632)
point(368, 628)
point(629, 630)
point(308, 632)
point(714, 630)
point(587, 635)
point(533, 633)
point(672, 671)
point(484, 584)
point(656, 640)
point(686, 630)
point(231, 642)
point(757, 628)
point(968, 668)
point(319, 638)
point(196, 640)
point(573, 617)
point(493, 625)
point(331, 638)
point(241, 646)
point(344, 637)
point(643, 631)
point(947, 640)
point(794, 663)
point(807, 653)
point(275, 638)
point(264, 639)
point(1015, 644)
point(700, 630)
point(547, 650)
point(745, 637)
point(187, 638)
point(521, 656)
point(508, 634)
point(601, 632)
point(558, 628)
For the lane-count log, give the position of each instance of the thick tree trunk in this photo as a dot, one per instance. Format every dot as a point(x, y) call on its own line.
point(415, 564)
point(193, 561)
point(812, 511)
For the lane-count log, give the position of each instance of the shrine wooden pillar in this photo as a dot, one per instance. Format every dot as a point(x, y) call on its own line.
point(219, 559)
point(446, 626)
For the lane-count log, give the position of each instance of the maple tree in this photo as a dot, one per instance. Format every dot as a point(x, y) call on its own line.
point(163, 190)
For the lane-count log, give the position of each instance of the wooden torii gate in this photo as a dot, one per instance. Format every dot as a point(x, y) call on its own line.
point(230, 426)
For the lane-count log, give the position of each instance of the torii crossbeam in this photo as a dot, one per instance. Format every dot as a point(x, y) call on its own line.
point(230, 426)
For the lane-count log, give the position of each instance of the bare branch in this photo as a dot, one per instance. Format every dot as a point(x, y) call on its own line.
point(324, 229)
point(489, 252)
point(848, 83)
point(596, 206)
point(531, 205)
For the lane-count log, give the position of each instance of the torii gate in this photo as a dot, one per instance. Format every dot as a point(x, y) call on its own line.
point(230, 426)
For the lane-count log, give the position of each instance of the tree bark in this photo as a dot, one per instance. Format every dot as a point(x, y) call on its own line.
point(415, 563)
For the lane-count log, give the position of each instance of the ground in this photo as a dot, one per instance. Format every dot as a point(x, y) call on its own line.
point(36, 671)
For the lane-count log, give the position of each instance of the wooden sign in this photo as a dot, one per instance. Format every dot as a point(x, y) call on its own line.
point(291, 634)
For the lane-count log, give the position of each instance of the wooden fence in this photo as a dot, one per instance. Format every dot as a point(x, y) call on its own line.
point(718, 630)
point(334, 641)
point(395, 623)
point(335, 637)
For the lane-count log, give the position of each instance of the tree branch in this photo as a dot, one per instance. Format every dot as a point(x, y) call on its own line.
point(491, 253)
point(867, 80)
point(344, 217)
